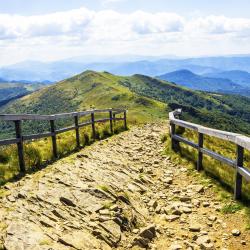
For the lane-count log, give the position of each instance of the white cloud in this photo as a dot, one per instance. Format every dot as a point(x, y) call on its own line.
point(220, 25)
point(83, 30)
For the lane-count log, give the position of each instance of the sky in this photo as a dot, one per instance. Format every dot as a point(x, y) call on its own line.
point(50, 30)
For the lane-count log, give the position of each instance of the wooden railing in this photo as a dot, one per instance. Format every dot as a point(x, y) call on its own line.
point(242, 142)
point(20, 138)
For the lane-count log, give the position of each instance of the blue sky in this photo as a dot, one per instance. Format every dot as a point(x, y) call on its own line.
point(56, 29)
point(231, 8)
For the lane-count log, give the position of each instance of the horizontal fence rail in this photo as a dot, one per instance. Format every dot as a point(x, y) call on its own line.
point(20, 138)
point(242, 142)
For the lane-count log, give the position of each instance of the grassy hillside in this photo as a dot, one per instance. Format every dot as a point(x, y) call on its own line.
point(146, 99)
point(219, 111)
point(11, 91)
point(87, 90)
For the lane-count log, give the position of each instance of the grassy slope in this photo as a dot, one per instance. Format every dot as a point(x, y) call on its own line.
point(218, 111)
point(143, 96)
point(87, 90)
point(84, 91)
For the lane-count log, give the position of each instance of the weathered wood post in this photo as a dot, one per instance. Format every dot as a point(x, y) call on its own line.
point(18, 128)
point(77, 131)
point(53, 138)
point(114, 119)
point(93, 125)
point(125, 119)
point(200, 154)
point(111, 121)
point(238, 176)
point(174, 143)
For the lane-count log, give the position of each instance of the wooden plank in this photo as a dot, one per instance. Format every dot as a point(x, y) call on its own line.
point(244, 172)
point(200, 154)
point(18, 128)
point(224, 135)
point(53, 138)
point(22, 117)
point(65, 115)
point(9, 141)
point(118, 119)
point(218, 157)
point(16, 117)
point(102, 120)
point(84, 113)
point(63, 130)
point(84, 124)
point(184, 140)
point(36, 136)
point(243, 141)
point(184, 124)
point(238, 176)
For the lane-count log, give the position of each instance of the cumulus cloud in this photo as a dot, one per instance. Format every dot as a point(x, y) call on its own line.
point(219, 25)
point(114, 25)
point(109, 30)
point(14, 26)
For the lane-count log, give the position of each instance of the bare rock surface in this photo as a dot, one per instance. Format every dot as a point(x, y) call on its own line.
point(120, 193)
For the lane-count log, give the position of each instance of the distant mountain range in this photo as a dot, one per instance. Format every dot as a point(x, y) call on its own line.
point(237, 76)
point(13, 90)
point(188, 79)
point(152, 66)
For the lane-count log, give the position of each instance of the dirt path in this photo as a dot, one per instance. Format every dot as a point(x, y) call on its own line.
point(119, 193)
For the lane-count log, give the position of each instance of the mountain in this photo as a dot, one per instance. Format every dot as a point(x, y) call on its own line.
point(123, 65)
point(224, 63)
point(238, 76)
point(188, 79)
point(145, 97)
point(12, 90)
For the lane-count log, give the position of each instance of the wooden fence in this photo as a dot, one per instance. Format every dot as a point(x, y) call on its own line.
point(242, 142)
point(20, 138)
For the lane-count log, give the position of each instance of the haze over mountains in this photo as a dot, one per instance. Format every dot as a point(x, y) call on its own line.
point(190, 80)
point(215, 74)
point(152, 66)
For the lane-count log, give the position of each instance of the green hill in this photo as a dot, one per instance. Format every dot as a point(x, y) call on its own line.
point(146, 98)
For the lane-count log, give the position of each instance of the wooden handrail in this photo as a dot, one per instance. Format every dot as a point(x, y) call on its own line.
point(242, 142)
point(20, 138)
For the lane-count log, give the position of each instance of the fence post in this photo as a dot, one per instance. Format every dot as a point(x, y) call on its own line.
point(200, 154)
point(238, 176)
point(174, 144)
point(111, 121)
point(77, 131)
point(114, 119)
point(20, 145)
point(125, 119)
point(93, 124)
point(53, 137)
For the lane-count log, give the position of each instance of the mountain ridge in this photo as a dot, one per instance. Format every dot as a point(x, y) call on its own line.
point(146, 98)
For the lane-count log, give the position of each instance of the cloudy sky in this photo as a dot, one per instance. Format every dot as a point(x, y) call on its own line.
point(56, 29)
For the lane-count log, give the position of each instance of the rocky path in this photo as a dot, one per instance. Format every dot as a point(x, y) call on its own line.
point(120, 193)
